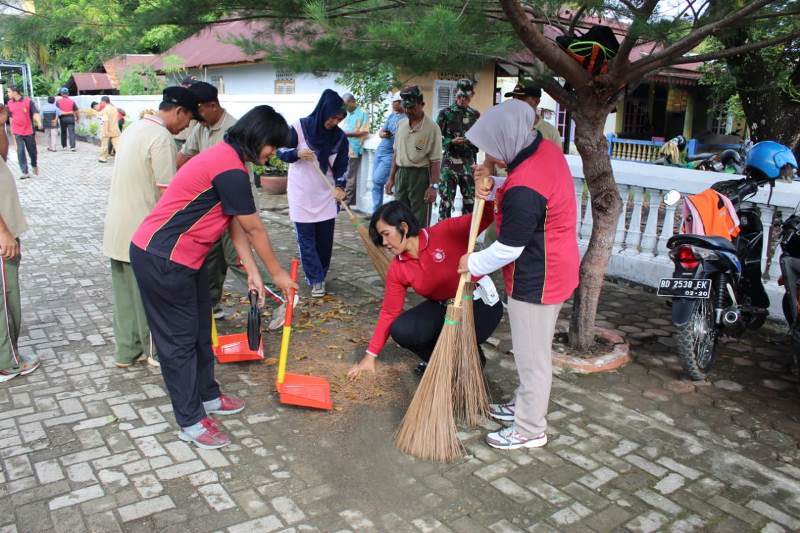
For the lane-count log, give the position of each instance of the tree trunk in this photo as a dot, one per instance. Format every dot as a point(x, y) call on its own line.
point(606, 207)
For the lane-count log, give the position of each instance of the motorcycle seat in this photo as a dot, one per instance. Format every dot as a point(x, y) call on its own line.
point(704, 241)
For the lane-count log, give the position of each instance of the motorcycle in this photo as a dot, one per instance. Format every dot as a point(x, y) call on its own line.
point(790, 279)
point(716, 286)
point(729, 161)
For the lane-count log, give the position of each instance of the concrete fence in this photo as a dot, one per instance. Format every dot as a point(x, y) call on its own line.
point(640, 242)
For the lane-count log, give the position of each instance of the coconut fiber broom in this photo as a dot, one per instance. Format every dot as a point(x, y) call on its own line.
point(428, 429)
point(378, 256)
point(470, 390)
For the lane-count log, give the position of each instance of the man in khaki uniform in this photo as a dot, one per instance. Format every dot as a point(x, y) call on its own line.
point(145, 158)
point(417, 157)
point(12, 225)
point(110, 128)
point(532, 96)
point(205, 134)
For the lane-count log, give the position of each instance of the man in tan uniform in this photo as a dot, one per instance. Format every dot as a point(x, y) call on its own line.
point(12, 225)
point(532, 96)
point(145, 158)
point(109, 131)
point(205, 134)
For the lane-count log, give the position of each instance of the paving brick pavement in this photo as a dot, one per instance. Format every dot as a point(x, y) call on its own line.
point(638, 450)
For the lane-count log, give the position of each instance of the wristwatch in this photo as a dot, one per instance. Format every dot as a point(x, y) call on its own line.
point(435, 186)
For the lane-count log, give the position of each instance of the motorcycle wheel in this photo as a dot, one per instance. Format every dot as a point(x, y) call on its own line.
point(697, 340)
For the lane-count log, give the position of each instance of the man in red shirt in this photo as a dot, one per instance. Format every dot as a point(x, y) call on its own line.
point(23, 114)
point(68, 117)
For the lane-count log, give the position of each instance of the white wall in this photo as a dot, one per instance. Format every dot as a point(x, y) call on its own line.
point(259, 78)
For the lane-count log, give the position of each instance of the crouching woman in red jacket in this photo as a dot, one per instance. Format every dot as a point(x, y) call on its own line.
point(426, 260)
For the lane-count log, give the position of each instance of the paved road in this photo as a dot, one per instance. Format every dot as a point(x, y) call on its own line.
point(639, 450)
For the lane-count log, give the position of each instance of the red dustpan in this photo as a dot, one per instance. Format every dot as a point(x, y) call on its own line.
point(299, 389)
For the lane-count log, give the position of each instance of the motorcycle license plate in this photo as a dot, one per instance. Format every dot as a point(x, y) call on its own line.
point(685, 288)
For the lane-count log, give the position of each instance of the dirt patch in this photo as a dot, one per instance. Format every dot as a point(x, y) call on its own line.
point(329, 336)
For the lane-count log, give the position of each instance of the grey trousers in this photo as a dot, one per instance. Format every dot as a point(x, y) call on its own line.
point(532, 328)
point(351, 189)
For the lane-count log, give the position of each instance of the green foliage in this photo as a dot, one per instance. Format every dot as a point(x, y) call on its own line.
point(94, 129)
point(370, 86)
point(141, 79)
point(278, 164)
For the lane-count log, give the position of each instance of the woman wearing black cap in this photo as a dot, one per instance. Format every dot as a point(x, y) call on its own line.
point(209, 195)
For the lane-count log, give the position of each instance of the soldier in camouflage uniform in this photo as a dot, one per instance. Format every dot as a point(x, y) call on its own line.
point(459, 154)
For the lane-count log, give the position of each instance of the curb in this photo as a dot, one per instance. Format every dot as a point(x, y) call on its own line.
point(618, 356)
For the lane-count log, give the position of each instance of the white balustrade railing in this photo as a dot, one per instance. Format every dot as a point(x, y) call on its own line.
point(640, 241)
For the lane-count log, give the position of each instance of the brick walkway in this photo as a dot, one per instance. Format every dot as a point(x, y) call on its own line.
point(88, 447)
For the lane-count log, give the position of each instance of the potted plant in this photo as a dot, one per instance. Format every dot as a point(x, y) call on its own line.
point(273, 176)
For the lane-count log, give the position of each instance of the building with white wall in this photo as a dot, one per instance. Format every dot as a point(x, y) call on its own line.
point(211, 55)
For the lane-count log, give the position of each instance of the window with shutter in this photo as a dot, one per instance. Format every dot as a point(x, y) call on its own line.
point(445, 93)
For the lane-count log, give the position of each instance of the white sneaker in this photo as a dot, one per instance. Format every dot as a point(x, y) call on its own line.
point(502, 411)
point(318, 290)
point(509, 439)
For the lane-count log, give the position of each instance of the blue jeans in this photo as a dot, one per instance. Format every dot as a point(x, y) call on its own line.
point(380, 175)
point(315, 240)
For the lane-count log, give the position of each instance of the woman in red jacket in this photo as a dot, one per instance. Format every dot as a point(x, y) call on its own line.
point(426, 259)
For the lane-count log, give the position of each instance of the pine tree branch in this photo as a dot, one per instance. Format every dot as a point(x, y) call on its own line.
point(736, 50)
point(672, 52)
point(543, 49)
point(621, 63)
point(575, 19)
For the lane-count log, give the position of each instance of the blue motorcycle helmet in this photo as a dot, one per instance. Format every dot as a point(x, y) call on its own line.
point(771, 160)
point(63, 90)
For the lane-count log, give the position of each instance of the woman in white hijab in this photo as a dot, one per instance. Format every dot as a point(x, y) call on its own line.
point(536, 247)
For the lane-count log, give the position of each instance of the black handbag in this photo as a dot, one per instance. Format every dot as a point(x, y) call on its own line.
point(253, 322)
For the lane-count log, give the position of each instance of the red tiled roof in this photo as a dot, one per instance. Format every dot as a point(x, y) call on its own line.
point(92, 81)
point(117, 65)
point(212, 45)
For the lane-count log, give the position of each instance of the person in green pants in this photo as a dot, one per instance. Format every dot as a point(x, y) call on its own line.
point(12, 225)
point(145, 158)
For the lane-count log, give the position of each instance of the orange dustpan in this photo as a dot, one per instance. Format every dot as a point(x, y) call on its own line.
point(299, 389)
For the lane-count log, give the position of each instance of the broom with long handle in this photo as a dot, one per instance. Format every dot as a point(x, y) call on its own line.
point(428, 429)
point(470, 390)
point(378, 256)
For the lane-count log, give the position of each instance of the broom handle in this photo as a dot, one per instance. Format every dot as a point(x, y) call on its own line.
point(475, 225)
point(333, 189)
point(287, 326)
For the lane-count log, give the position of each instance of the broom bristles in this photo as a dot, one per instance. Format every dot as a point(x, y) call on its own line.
point(428, 429)
point(377, 256)
point(470, 390)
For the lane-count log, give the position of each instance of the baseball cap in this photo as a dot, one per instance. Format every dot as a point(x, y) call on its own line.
point(410, 96)
point(183, 97)
point(204, 92)
point(188, 80)
point(396, 96)
point(525, 90)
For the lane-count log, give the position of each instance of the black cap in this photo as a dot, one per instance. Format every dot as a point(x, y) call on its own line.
point(410, 96)
point(525, 90)
point(205, 92)
point(183, 97)
point(188, 80)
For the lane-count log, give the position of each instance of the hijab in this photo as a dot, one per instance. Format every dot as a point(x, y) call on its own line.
point(504, 130)
point(323, 141)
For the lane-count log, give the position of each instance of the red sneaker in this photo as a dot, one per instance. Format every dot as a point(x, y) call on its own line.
point(210, 439)
point(228, 405)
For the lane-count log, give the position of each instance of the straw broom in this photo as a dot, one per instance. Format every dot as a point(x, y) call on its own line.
point(428, 429)
point(378, 256)
point(470, 390)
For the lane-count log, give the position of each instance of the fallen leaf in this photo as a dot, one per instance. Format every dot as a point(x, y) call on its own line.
point(271, 361)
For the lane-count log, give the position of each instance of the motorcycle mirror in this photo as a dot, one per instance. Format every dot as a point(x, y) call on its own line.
point(672, 197)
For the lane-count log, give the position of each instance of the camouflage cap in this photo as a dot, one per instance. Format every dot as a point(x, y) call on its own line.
point(465, 87)
point(410, 96)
